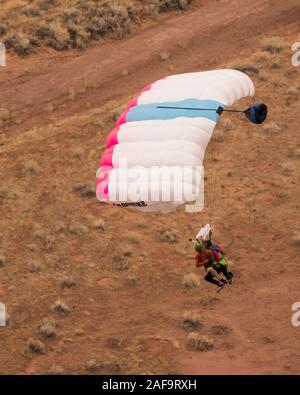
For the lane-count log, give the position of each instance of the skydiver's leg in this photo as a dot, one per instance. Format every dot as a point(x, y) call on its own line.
point(224, 269)
point(213, 277)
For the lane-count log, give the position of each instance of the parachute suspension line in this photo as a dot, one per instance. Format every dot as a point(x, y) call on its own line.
point(212, 191)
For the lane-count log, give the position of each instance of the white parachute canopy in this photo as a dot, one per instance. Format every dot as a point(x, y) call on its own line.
point(154, 155)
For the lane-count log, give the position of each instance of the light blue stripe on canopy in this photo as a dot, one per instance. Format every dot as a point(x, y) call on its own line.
point(150, 111)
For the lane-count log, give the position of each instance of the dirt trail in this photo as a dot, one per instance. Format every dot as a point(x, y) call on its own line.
point(227, 28)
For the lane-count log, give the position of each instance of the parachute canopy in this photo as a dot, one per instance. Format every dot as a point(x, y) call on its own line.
point(153, 158)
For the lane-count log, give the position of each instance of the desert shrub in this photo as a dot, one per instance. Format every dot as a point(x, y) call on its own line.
point(245, 67)
point(80, 21)
point(292, 94)
point(269, 339)
point(108, 18)
point(60, 307)
point(99, 224)
point(34, 267)
point(166, 5)
point(78, 36)
point(29, 168)
point(120, 264)
point(78, 229)
point(4, 115)
point(191, 280)
point(55, 35)
point(49, 243)
point(164, 55)
point(48, 329)
point(71, 15)
point(20, 43)
point(296, 239)
point(31, 11)
point(221, 329)
point(2, 260)
point(45, 5)
point(92, 366)
point(3, 28)
point(288, 168)
point(35, 346)
point(134, 237)
point(55, 370)
point(132, 280)
point(59, 227)
point(191, 320)
point(275, 64)
point(127, 251)
point(84, 190)
point(199, 342)
point(7, 193)
point(273, 45)
point(278, 81)
point(169, 236)
point(68, 282)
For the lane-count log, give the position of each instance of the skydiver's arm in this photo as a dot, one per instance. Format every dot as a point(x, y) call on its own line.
point(199, 261)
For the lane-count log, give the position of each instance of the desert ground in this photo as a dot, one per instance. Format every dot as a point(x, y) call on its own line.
point(95, 289)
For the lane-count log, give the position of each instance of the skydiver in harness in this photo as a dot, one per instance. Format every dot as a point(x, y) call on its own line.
point(212, 258)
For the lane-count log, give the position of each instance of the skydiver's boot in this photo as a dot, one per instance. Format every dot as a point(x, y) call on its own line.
point(229, 275)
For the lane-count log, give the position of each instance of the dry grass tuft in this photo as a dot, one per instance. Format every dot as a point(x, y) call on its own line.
point(4, 114)
point(99, 224)
point(134, 237)
point(292, 94)
point(30, 167)
point(48, 329)
point(169, 236)
point(191, 320)
point(164, 56)
point(191, 280)
point(245, 67)
point(296, 239)
point(288, 168)
point(68, 282)
point(84, 190)
point(221, 329)
point(273, 45)
point(92, 366)
point(60, 307)
point(2, 261)
point(6, 193)
point(34, 267)
point(275, 64)
point(55, 370)
point(35, 346)
point(59, 227)
point(120, 264)
point(20, 43)
point(199, 342)
point(78, 229)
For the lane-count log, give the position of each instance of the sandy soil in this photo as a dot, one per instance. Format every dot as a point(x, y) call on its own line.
point(128, 300)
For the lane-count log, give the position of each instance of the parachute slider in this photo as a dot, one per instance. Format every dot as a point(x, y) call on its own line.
point(256, 113)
